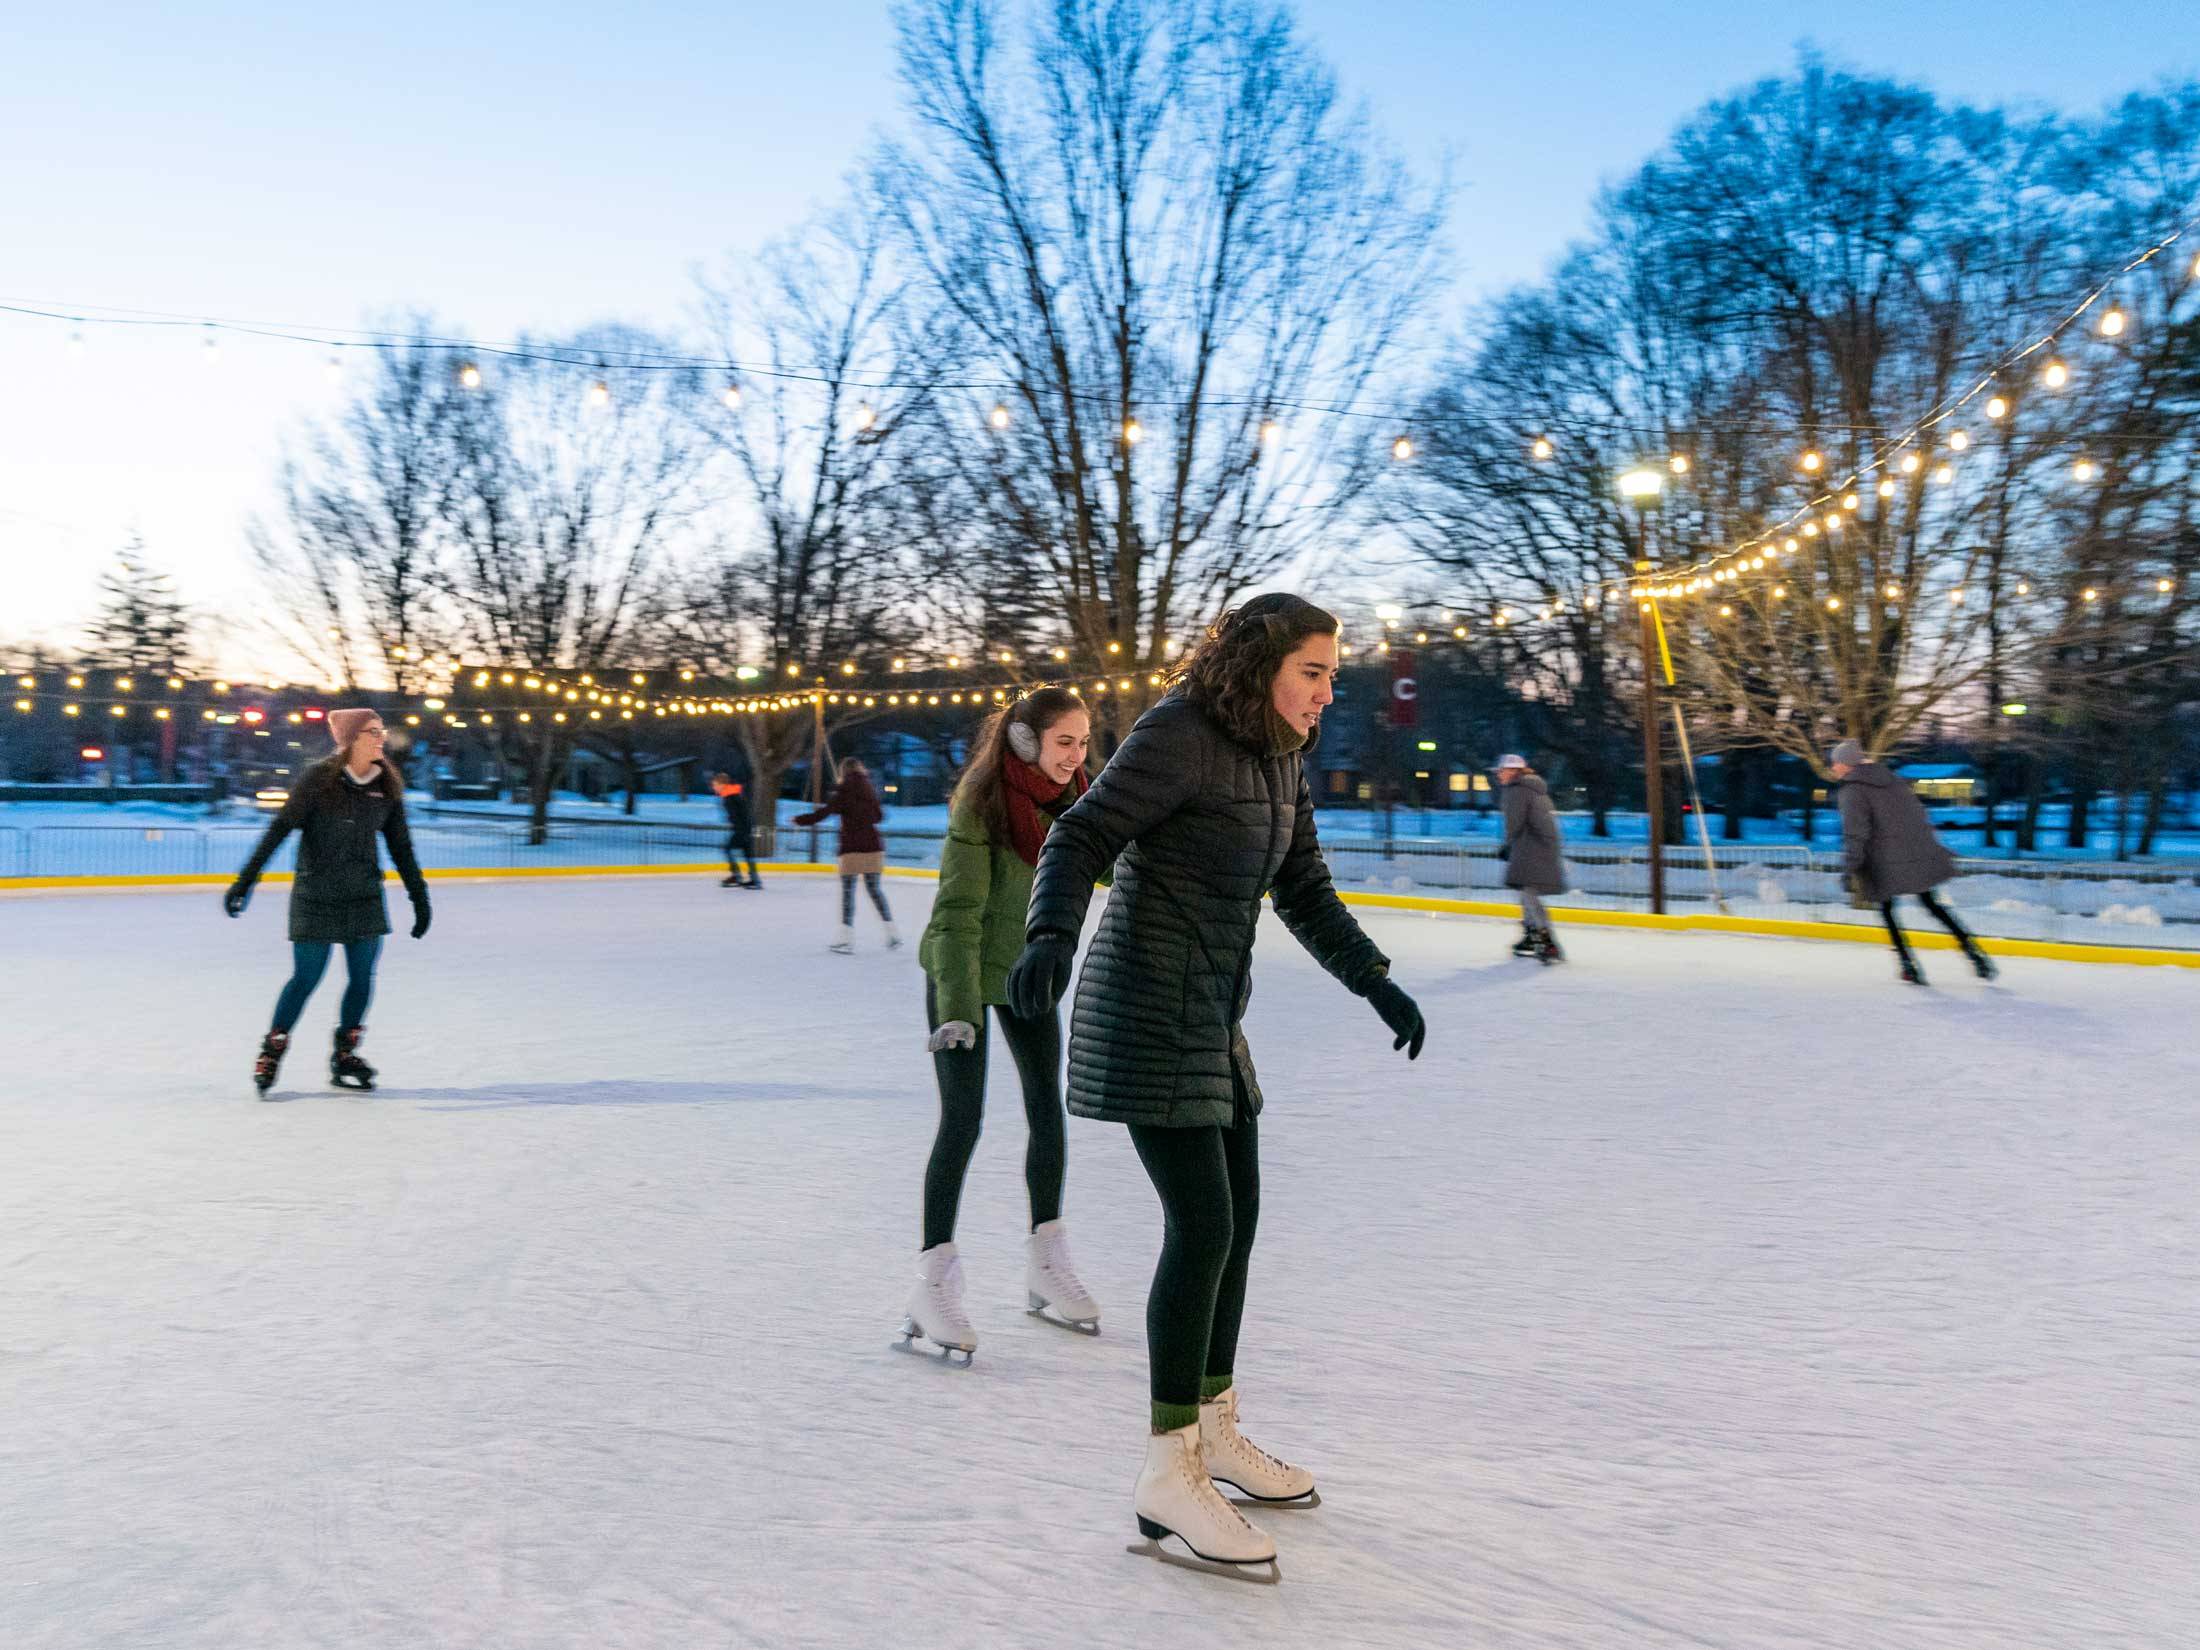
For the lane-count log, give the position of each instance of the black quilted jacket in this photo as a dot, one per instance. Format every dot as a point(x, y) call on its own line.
point(1198, 827)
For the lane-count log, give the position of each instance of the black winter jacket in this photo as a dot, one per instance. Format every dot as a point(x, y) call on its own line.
point(1204, 825)
point(336, 894)
point(739, 825)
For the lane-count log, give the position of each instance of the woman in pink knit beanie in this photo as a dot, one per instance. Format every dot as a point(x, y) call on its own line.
point(338, 807)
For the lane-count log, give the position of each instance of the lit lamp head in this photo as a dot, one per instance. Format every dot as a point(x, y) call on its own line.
point(1642, 487)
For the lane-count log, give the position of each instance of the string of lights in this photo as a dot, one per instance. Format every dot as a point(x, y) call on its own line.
point(1828, 513)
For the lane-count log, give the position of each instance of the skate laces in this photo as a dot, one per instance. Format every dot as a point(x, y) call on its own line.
point(1204, 1493)
point(1243, 1447)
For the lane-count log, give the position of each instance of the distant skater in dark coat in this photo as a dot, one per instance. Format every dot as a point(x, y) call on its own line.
point(1534, 863)
point(862, 851)
point(1891, 849)
point(740, 832)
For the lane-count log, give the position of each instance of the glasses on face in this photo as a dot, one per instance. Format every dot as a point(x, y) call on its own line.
point(374, 733)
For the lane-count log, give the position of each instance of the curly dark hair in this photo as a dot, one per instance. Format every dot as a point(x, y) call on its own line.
point(980, 784)
point(1232, 673)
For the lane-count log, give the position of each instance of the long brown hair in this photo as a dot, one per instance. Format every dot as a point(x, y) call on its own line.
point(980, 786)
point(1232, 673)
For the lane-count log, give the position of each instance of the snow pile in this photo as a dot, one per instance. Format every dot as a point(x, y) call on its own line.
point(2131, 916)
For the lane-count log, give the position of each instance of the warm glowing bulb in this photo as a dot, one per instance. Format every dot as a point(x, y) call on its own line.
point(1678, 464)
point(469, 377)
point(1911, 464)
point(2112, 323)
point(1812, 462)
point(1997, 408)
point(1945, 474)
point(2091, 594)
point(1401, 449)
point(998, 418)
point(599, 394)
point(731, 396)
point(1886, 489)
point(1542, 447)
point(1271, 433)
point(1132, 430)
point(1833, 604)
point(2164, 585)
point(1959, 440)
point(1849, 503)
point(2083, 469)
point(865, 417)
point(2057, 375)
point(1955, 598)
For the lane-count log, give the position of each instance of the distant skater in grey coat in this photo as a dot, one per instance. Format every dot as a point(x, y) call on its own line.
point(1891, 849)
point(1534, 863)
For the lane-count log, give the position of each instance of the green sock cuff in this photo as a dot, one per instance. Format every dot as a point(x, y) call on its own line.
point(1175, 1417)
point(1214, 1386)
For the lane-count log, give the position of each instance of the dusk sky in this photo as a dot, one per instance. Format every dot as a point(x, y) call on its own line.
point(537, 167)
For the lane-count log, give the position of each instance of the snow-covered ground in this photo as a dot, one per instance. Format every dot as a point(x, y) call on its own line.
point(1705, 1292)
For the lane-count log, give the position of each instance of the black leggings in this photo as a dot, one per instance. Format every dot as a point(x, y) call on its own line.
point(1037, 1047)
point(1946, 918)
point(1209, 1181)
point(740, 849)
point(848, 899)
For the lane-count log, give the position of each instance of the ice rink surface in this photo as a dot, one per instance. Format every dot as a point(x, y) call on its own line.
point(1704, 1292)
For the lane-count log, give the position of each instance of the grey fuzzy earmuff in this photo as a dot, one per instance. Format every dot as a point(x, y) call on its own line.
point(1023, 739)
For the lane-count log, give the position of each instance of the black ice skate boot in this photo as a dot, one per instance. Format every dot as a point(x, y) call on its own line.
point(1980, 961)
point(1546, 948)
point(345, 1069)
point(272, 1049)
point(1525, 946)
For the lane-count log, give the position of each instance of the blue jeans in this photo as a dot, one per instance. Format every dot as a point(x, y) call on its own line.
point(309, 960)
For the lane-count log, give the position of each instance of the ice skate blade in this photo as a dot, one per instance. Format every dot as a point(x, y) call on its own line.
point(1293, 1503)
point(911, 1335)
point(1045, 1313)
point(364, 1087)
point(1255, 1572)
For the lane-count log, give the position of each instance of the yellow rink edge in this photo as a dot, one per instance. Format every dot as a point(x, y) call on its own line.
point(1705, 922)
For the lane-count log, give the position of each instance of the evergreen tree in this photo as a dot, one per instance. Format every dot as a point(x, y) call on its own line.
point(141, 625)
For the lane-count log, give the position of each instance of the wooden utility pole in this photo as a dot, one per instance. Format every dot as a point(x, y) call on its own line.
point(1653, 755)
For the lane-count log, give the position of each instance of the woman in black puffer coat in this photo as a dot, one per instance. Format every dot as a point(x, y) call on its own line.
point(338, 808)
point(1202, 812)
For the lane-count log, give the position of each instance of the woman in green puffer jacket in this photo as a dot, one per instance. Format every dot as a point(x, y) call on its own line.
point(1026, 766)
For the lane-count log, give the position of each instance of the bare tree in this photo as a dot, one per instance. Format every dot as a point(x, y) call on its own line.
point(354, 552)
point(575, 482)
point(815, 566)
point(1164, 265)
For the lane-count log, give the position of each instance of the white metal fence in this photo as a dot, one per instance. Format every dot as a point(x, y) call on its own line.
point(2156, 903)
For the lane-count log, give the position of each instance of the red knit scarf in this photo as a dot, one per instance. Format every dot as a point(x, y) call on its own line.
point(1027, 791)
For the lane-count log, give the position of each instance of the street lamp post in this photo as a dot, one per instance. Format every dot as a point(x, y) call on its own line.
point(1642, 487)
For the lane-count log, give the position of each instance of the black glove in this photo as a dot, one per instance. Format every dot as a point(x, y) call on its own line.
point(237, 898)
point(1505, 852)
point(421, 915)
point(1041, 975)
point(1401, 1013)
